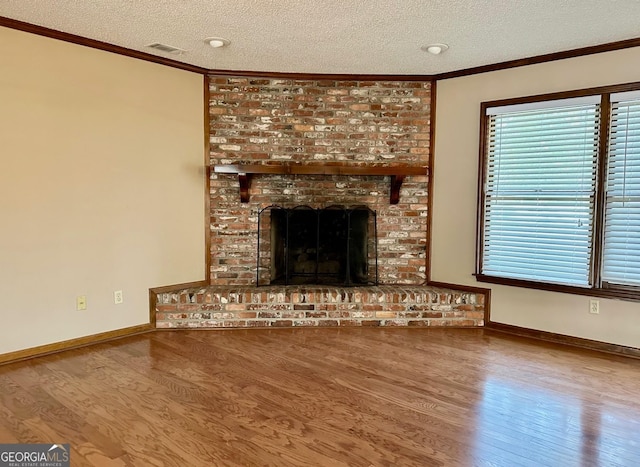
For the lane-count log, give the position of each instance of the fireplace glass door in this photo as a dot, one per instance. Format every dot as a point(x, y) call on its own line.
point(329, 246)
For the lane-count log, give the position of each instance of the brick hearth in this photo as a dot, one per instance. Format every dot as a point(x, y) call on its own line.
point(233, 307)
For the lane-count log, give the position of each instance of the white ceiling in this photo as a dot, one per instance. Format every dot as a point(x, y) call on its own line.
point(340, 36)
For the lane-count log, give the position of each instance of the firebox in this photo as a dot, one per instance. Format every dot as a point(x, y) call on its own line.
point(335, 245)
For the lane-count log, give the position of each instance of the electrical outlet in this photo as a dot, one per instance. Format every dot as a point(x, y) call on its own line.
point(81, 303)
point(117, 297)
point(594, 307)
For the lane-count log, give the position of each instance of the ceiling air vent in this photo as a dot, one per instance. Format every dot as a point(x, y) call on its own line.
point(167, 48)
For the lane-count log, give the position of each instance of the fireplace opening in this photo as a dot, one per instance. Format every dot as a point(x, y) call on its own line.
point(328, 246)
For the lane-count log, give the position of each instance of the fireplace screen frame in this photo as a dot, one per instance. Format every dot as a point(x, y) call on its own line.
point(265, 263)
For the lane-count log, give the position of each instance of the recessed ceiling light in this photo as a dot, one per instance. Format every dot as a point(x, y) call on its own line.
point(217, 42)
point(435, 49)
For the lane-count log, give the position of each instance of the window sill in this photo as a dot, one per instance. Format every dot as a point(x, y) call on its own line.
point(617, 293)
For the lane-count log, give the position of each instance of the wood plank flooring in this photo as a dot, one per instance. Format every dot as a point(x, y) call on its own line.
point(327, 397)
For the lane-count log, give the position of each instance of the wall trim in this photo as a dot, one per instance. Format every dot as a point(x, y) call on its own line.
point(430, 177)
point(95, 44)
point(563, 339)
point(317, 76)
point(318, 328)
point(207, 182)
point(78, 342)
point(550, 57)
point(184, 285)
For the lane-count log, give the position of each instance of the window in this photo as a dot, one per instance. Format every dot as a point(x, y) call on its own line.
point(621, 255)
point(559, 204)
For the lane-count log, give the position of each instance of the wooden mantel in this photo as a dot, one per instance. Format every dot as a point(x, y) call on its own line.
point(245, 171)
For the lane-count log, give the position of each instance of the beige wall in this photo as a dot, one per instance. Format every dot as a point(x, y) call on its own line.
point(101, 187)
point(455, 186)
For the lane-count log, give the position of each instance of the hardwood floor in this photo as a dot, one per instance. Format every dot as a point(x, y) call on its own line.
point(334, 397)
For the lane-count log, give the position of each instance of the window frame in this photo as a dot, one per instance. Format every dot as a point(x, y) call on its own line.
point(598, 289)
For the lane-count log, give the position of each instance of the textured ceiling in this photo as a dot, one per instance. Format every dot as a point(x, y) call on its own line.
point(340, 36)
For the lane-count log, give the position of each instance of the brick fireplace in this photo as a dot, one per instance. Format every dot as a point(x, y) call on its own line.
point(349, 123)
point(359, 126)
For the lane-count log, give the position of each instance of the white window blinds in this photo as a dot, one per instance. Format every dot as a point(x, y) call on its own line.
point(539, 191)
point(621, 254)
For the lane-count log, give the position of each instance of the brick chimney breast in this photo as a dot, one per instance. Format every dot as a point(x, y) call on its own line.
point(338, 122)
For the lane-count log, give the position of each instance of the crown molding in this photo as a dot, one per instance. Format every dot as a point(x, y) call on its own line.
point(94, 44)
point(550, 57)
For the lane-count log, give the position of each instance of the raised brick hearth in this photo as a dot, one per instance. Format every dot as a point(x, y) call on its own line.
point(244, 307)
